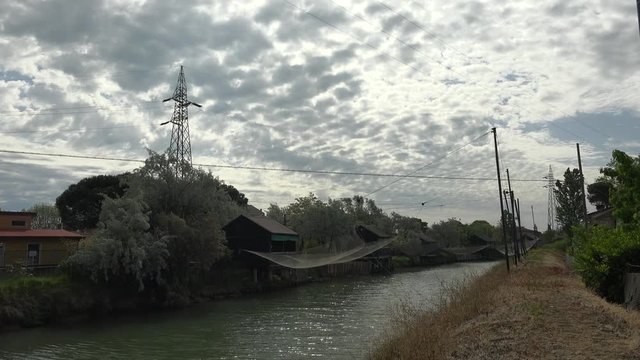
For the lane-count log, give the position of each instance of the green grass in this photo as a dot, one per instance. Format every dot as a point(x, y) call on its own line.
point(25, 282)
point(560, 245)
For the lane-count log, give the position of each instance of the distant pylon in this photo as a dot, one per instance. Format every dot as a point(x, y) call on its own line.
point(551, 202)
point(179, 151)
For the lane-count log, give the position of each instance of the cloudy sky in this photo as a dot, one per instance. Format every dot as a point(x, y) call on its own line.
point(360, 86)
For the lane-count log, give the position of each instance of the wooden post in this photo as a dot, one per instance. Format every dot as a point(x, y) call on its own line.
point(504, 230)
point(584, 193)
point(522, 242)
point(516, 248)
point(513, 240)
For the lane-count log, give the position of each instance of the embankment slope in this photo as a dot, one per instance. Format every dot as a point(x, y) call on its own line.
point(539, 311)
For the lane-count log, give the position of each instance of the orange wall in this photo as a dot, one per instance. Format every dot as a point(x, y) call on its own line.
point(52, 250)
point(5, 221)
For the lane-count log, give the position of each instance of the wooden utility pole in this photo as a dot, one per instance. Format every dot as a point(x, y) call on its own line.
point(638, 6)
point(504, 230)
point(584, 193)
point(522, 243)
point(510, 212)
point(513, 220)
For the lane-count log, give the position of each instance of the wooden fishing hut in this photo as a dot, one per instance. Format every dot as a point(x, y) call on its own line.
point(427, 252)
point(381, 259)
point(261, 234)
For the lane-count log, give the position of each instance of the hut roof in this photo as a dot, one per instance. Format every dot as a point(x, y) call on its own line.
point(485, 238)
point(40, 233)
point(377, 232)
point(270, 225)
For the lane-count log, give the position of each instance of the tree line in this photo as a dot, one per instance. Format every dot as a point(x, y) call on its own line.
point(602, 255)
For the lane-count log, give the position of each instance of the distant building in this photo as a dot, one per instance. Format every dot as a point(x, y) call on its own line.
point(370, 233)
point(602, 218)
point(259, 233)
point(381, 258)
point(23, 246)
point(480, 239)
point(426, 252)
point(481, 247)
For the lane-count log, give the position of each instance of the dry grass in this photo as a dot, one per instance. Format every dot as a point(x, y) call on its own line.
point(428, 335)
point(539, 311)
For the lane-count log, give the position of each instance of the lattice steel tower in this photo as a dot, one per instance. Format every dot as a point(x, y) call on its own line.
point(551, 210)
point(179, 151)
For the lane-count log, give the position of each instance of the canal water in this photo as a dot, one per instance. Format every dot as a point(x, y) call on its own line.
point(339, 319)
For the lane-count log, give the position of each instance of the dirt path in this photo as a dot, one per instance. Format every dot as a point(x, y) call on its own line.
point(544, 312)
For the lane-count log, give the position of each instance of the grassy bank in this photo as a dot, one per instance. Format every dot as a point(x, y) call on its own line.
point(32, 301)
point(540, 310)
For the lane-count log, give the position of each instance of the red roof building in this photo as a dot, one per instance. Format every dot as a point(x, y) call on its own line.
point(22, 246)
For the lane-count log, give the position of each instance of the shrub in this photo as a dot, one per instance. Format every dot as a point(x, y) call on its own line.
point(601, 256)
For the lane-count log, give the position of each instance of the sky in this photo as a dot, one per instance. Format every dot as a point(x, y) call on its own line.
point(409, 87)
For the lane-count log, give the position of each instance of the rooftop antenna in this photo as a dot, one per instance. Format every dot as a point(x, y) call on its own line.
point(179, 151)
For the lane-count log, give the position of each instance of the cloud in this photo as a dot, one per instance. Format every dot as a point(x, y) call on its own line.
point(313, 85)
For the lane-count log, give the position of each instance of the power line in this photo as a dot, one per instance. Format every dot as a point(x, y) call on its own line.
point(400, 177)
point(89, 109)
point(68, 129)
point(264, 168)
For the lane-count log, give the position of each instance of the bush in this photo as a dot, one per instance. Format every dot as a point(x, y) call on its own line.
point(30, 301)
point(401, 261)
point(601, 256)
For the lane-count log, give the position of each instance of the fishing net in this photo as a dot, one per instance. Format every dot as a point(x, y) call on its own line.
point(321, 256)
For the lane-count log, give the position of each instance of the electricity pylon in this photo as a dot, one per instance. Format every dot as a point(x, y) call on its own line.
point(179, 151)
point(551, 201)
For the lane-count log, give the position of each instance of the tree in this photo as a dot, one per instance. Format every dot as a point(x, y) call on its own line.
point(570, 208)
point(598, 193)
point(409, 233)
point(47, 216)
point(319, 223)
point(122, 251)
point(277, 213)
point(624, 171)
point(449, 233)
point(365, 211)
point(480, 227)
point(162, 236)
point(234, 194)
point(81, 203)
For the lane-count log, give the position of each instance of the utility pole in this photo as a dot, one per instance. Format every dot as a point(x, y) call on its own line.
point(504, 231)
point(584, 193)
point(522, 243)
point(638, 6)
point(513, 220)
point(510, 212)
point(179, 151)
point(533, 217)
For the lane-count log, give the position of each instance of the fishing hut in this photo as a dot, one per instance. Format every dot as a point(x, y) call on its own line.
point(261, 234)
point(380, 259)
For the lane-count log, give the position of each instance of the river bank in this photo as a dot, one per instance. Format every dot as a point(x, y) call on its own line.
point(33, 301)
point(337, 319)
point(539, 311)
